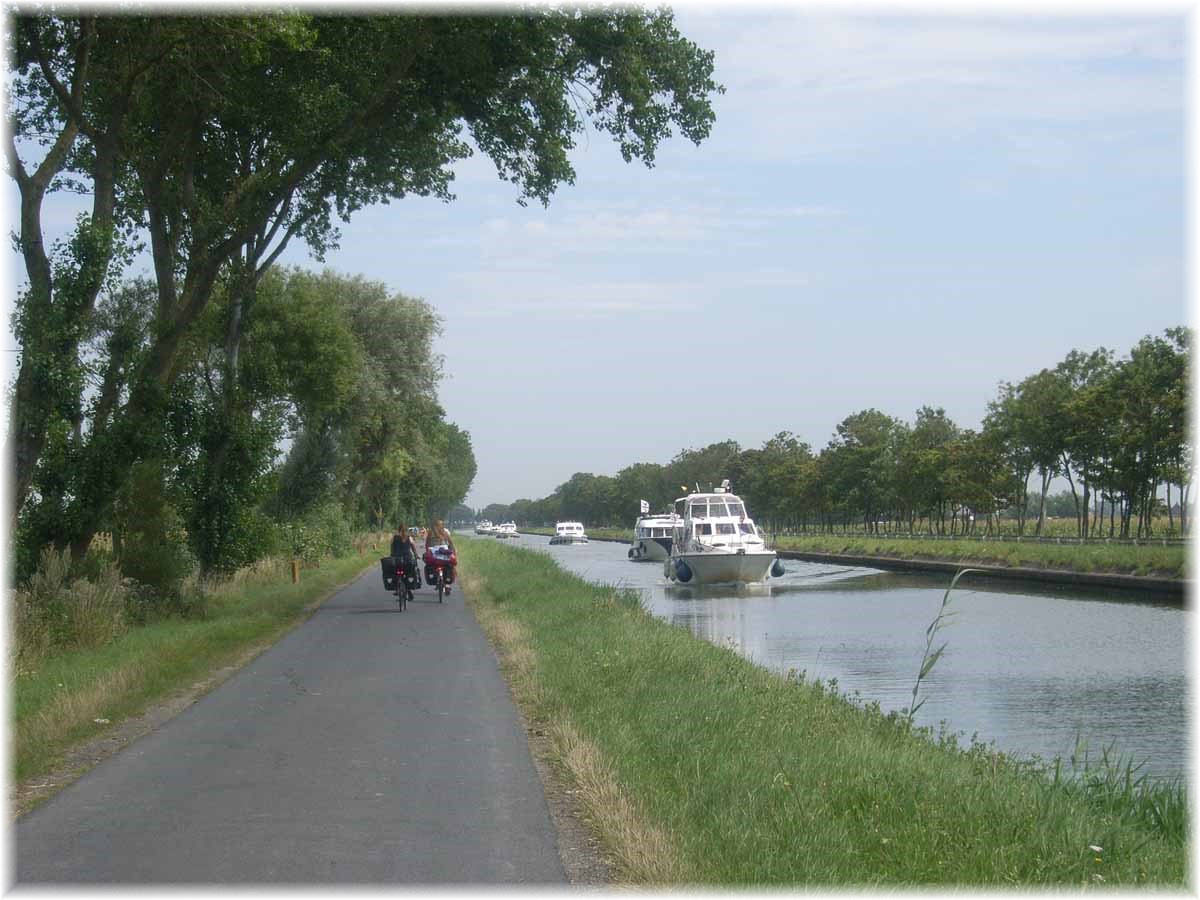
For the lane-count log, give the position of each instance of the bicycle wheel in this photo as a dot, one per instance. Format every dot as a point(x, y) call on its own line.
point(441, 586)
point(401, 592)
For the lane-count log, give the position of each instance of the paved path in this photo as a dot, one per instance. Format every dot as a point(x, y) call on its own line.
point(368, 746)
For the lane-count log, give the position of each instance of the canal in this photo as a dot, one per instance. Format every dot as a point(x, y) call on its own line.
point(1032, 669)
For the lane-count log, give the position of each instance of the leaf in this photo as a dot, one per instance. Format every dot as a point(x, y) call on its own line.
point(931, 661)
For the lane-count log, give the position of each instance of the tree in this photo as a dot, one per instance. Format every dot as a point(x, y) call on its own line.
point(226, 137)
point(861, 464)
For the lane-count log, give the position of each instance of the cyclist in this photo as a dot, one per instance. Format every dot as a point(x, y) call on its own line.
point(439, 536)
point(404, 549)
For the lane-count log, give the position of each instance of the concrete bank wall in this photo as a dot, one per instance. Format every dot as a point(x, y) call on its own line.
point(1174, 587)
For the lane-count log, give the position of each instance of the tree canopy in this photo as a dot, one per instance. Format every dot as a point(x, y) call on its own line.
point(215, 140)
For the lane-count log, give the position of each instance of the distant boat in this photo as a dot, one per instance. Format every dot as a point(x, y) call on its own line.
point(507, 530)
point(652, 537)
point(716, 542)
point(485, 527)
point(569, 533)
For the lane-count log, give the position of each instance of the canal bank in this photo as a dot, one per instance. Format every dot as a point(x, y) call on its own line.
point(1173, 588)
point(727, 773)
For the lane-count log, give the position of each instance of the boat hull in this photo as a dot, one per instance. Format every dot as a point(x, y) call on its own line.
point(569, 539)
point(650, 549)
point(716, 567)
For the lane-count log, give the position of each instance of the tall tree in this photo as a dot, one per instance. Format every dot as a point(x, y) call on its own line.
point(234, 135)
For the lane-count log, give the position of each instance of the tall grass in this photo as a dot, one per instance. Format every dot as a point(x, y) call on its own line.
point(755, 779)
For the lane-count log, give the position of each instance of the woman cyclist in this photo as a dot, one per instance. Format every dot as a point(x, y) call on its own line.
point(439, 536)
point(404, 549)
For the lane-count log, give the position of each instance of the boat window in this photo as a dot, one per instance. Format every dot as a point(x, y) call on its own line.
point(716, 508)
point(735, 508)
point(699, 510)
point(703, 529)
point(726, 528)
point(747, 528)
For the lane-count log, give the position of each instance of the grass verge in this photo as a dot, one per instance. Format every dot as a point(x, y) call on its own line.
point(75, 696)
point(708, 770)
point(1124, 559)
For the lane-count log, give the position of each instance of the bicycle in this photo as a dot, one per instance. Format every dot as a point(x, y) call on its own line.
point(436, 565)
point(403, 591)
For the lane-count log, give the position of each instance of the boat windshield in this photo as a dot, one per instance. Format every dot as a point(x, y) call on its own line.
point(746, 527)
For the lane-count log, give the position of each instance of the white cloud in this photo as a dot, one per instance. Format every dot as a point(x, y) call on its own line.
point(802, 85)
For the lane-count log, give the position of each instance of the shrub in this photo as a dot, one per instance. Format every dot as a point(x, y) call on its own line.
point(96, 609)
point(153, 549)
point(55, 612)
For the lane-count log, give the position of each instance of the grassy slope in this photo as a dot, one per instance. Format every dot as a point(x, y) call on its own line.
point(1114, 558)
point(57, 705)
point(759, 780)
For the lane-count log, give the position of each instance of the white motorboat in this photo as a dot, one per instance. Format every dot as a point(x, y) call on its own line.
point(716, 542)
point(507, 530)
point(485, 527)
point(569, 533)
point(652, 537)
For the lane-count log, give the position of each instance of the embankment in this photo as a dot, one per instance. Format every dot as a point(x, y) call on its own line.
point(1146, 569)
point(698, 767)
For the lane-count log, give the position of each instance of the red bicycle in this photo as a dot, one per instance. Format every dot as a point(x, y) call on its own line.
point(440, 563)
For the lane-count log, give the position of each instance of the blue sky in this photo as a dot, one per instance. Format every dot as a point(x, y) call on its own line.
point(893, 210)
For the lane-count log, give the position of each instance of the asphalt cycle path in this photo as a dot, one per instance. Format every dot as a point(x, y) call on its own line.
point(368, 746)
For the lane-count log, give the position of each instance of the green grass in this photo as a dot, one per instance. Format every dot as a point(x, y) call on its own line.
point(763, 780)
point(1167, 561)
point(56, 705)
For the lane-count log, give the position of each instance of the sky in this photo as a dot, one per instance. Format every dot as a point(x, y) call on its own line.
point(894, 209)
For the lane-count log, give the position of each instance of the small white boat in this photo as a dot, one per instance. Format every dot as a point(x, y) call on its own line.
point(716, 542)
point(652, 537)
point(485, 527)
point(507, 530)
point(569, 533)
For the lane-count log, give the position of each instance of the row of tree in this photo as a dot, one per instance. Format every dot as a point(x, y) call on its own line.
point(1115, 429)
point(213, 141)
point(334, 366)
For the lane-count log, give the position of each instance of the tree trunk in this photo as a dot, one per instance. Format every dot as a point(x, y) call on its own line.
point(1042, 503)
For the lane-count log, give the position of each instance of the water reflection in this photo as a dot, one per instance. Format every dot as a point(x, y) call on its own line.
point(1032, 669)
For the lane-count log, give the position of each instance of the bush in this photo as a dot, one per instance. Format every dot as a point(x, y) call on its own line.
point(324, 531)
point(55, 612)
point(153, 549)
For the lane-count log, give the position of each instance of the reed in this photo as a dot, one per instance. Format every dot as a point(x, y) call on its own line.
point(755, 779)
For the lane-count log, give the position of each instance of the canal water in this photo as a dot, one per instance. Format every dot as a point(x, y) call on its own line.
point(1034, 670)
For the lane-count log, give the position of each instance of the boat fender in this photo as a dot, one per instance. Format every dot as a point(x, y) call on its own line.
point(683, 571)
point(777, 568)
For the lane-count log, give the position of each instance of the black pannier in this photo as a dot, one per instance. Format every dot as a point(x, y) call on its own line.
point(388, 565)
